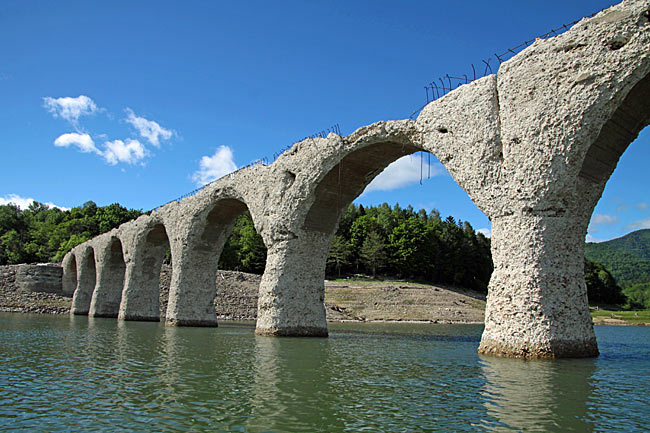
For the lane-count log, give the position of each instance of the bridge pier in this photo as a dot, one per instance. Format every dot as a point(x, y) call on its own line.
point(86, 278)
point(144, 255)
point(537, 300)
point(106, 297)
point(292, 291)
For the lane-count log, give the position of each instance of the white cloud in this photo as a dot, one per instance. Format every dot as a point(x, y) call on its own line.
point(590, 238)
point(486, 232)
point(70, 109)
point(130, 152)
point(24, 202)
point(215, 166)
point(148, 129)
point(82, 141)
point(641, 206)
point(402, 172)
point(600, 219)
point(638, 225)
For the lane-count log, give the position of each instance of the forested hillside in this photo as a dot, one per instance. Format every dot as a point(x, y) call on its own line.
point(628, 259)
point(43, 234)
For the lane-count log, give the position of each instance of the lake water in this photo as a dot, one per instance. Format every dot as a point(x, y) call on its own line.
point(80, 374)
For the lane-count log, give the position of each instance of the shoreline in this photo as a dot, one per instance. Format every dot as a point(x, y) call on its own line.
point(57, 312)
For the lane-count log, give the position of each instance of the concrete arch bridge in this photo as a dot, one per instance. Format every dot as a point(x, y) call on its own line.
point(533, 146)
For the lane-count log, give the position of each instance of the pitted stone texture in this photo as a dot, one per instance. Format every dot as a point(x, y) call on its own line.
point(86, 278)
point(42, 277)
point(568, 108)
point(107, 295)
point(533, 146)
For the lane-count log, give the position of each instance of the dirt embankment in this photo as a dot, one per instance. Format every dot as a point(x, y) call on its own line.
point(236, 299)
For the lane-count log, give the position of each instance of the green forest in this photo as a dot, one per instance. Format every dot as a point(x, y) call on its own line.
point(378, 241)
point(40, 234)
point(391, 242)
point(628, 259)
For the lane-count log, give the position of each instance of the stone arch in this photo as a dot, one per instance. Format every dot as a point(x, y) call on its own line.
point(292, 289)
point(621, 129)
point(141, 294)
point(86, 279)
point(563, 128)
point(110, 281)
point(347, 180)
point(193, 287)
point(69, 283)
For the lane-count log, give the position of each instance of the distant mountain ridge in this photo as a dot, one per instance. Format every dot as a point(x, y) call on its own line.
point(627, 257)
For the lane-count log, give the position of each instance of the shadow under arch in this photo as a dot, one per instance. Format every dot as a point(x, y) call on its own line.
point(86, 280)
point(140, 297)
point(110, 281)
point(631, 116)
point(194, 269)
point(347, 180)
point(69, 282)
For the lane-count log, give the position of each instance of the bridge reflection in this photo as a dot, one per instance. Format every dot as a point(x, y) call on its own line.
point(538, 395)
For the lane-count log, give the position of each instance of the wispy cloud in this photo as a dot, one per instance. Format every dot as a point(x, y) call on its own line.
point(148, 129)
point(638, 225)
point(129, 152)
point(406, 170)
point(82, 141)
point(601, 219)
point(641, 206)
point(70, 109)
point(24, 202)
point(215, 166)
point(590, 238)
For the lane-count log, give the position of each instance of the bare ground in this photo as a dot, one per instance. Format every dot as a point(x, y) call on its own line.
point(348, 300)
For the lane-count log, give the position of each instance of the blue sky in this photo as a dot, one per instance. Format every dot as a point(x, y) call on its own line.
point(138, 102)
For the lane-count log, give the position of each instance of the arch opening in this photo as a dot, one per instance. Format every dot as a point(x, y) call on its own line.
point(347, 180)
point(621, 129)
point(199, 292)
point(110, 282)
point(393, 242)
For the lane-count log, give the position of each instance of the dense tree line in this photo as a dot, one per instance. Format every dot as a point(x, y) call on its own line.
point(396, 242)
point(378, 240)
point(43, 234)
point(601, 285)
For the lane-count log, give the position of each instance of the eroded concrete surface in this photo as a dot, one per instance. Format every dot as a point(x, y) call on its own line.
point(533, 146)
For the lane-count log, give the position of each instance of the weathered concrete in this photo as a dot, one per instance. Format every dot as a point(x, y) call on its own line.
point(533, 146)
point(86, 278)
point(145, 243)
point(107, 295)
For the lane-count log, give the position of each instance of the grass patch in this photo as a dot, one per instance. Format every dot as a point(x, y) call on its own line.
point(632, 316)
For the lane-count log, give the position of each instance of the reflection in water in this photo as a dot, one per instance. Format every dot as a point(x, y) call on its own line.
point(79, 374)
point(292, 390)
point(540, 396)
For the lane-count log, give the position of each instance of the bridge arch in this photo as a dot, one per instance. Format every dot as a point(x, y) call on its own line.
point(111, 269)
point(145, 243)
point(86, 279)
point(194, 271)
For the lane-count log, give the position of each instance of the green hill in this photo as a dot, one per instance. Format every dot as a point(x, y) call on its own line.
point(627, 258)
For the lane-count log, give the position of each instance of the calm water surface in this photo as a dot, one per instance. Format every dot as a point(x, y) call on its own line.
point(79, 374)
